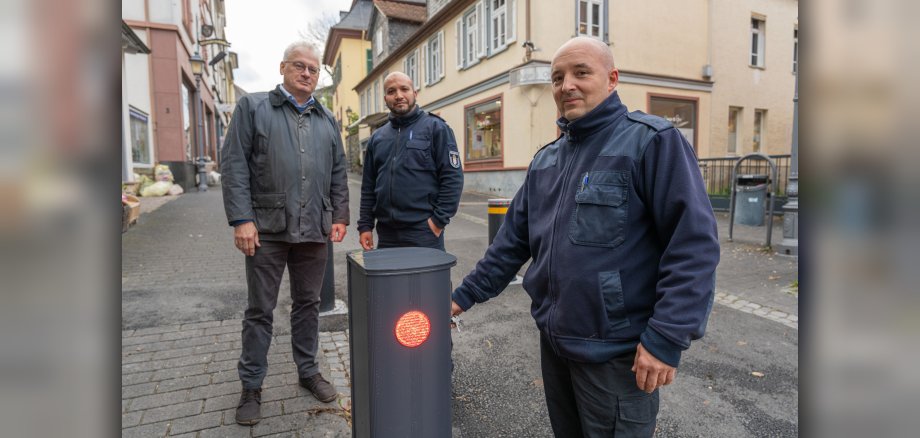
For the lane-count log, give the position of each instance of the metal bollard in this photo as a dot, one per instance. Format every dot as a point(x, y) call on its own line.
point(399, 329)
point(497, 210)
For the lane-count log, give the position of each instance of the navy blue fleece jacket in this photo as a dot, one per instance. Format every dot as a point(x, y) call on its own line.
point(622, 235)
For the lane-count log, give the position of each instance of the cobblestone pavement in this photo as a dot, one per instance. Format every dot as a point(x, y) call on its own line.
point(181, 380)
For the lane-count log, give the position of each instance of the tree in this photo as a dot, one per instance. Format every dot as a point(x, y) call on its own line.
point(316, 33)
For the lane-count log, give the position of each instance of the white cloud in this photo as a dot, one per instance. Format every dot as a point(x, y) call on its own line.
point(259, 31)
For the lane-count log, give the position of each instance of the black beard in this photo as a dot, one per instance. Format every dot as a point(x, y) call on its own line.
point(402, 113)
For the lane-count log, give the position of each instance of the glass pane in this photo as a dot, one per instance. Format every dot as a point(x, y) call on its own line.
point(733, 130)
point(140, 153)
point(483, 131)
point(596, 14)
point(187, 121)
point(582, 13)
point(681, 113)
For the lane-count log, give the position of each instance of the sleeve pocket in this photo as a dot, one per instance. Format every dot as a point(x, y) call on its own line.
point(270, 212)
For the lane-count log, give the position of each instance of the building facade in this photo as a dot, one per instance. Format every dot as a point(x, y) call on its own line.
point(175, 115)
point(483, 66)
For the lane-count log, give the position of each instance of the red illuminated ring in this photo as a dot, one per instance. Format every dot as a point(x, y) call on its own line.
point(412, 329)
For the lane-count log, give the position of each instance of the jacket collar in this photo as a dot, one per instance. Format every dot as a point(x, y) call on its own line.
point(277, 98)
point(602, 115)
point(407, 119)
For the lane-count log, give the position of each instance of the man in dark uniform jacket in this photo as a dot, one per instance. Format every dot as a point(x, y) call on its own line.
point(412, 175)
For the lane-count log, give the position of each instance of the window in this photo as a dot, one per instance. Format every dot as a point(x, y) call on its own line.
point(681, 112)
point(434, 59)
point(499, 29)
point(795, 51)
point(187, 112)
point(758, 37)
point(734, 119)
point(140, 146)
point(378, 41)
point(376, 92)
point(760, 120)
point(410, 66)
point(337, 72)
point(484, 131)
point(591, 20)
point(469, 38)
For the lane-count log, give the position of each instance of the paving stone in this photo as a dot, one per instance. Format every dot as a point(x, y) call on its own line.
point(184, 383)
point(137, 357)
point(281, 393)
point(136, 378)
point(223, 365)
point(233, 322)
point(132, 391)
point(793, 318)
point(221, 403)
point(135, 340)
point(195, 342)
point(233, 387)
point(225, 376)
point(157, 400)
point(126, 333)
point(301, 404)
point(184, 334)
point(130, 419)
point(228, 431)
point(197, 422)
point(226, 355)
point(282, 423)
point(170, 412)
point(175, 373)
point(223, 329)
point(146, 431)
point(199, 325)
point(326, 426)
point(156, 330)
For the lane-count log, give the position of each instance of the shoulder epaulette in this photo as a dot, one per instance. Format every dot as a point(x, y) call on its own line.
point(655, 122)
point(436, 116)
point(548, 144)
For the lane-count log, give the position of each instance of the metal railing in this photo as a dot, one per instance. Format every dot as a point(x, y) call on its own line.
point(717, 175)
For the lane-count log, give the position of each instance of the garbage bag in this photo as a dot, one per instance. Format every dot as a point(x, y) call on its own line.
point(176, 189)
point(158, 188)
point(162, 173)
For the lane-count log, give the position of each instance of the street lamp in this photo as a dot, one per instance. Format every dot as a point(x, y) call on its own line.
point(198, 69)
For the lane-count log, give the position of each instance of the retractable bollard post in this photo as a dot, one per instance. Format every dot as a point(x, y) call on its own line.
point(399, 325)
point(497, 210)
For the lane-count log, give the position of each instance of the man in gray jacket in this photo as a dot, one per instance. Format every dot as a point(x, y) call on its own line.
point(285, 194)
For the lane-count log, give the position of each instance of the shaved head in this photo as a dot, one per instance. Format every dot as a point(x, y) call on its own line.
point(583, 75)
point(396, 75)
point(593, 45)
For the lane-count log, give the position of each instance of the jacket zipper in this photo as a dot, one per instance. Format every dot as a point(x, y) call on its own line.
point(552, 248)
point(392, 165)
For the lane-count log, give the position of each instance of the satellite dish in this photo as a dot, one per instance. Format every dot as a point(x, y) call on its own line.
point(207, 30)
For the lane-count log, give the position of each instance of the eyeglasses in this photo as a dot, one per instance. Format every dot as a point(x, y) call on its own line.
point(300, 67)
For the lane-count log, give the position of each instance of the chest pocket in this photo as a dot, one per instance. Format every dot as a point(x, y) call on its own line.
point(418, 155)
point(601, 209)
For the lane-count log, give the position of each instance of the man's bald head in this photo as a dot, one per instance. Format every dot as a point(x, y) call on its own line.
point(593, 45)
point(397, 76)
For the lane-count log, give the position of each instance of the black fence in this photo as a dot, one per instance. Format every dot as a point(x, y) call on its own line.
point(717, 174)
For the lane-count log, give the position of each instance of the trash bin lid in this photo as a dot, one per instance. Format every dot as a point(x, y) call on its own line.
point(392, 261)
point(501, 202)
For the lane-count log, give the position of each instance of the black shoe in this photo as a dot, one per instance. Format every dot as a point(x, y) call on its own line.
point(321, 389)
point(249, 411)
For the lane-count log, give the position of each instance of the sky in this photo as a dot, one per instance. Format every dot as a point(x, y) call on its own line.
point(259, 31)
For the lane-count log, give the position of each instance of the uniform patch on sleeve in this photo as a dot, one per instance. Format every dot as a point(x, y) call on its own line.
point(455, 159)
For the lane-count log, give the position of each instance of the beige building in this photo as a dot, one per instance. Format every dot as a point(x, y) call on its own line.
point(483, 66)
point(348, 55)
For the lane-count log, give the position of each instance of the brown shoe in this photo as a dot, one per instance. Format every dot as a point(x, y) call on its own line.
point(249, 410)
point(320, 388)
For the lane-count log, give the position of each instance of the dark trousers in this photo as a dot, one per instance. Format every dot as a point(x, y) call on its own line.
point(596, 399)
point(411, 235)
point(306, 263)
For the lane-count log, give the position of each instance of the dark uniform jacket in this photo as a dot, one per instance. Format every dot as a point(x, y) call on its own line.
point(411, 173)
point(284, 169)
point(622, 235)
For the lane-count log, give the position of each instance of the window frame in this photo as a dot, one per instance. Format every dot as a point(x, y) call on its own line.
point(602, 16)
point(695, 101)
point(378, 41)
point(795, 50)
point(496, 162)
point(434, 65)
point(758, 41)
point(737, 112)
point(760, 131)
point(411, 69)
point(135, 114)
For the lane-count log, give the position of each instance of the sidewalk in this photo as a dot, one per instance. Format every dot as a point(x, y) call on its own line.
point(184, 292)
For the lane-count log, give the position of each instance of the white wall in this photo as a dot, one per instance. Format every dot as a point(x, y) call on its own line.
point(132, 10)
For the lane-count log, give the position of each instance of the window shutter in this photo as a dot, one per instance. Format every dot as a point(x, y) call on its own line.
point(480, 34)
point(370, 61)
point(427, 58)
point(459, 26)
point(441, 49)
point(510, 20)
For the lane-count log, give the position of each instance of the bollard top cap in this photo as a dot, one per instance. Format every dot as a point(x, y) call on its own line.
point(390, 261)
